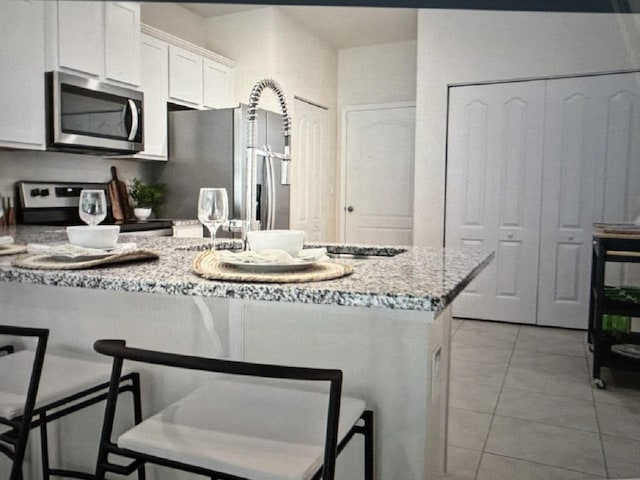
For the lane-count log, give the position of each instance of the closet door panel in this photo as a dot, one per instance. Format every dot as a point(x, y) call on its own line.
point(570, 195)
point(493, 194)
point(622, 163)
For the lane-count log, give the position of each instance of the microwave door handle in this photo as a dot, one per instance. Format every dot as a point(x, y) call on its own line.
point(134, 120)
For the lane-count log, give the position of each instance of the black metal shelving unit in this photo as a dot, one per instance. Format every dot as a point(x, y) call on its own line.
point(620, 247)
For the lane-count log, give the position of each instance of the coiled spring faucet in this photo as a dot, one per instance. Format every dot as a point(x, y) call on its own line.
point(253, 151)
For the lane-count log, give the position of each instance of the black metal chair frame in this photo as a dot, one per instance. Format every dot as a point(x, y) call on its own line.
point(120, 352)
point(13, 443)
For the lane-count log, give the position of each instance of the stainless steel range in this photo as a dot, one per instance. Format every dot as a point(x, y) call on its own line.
point(56, 203)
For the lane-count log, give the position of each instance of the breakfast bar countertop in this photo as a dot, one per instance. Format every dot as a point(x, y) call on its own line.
point(419, 278)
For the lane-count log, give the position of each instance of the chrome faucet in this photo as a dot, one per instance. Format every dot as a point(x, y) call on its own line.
point(253, 151)
point(251, 222)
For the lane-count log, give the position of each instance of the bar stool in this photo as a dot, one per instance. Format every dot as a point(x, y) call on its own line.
point(37, 389)
point(238, 428)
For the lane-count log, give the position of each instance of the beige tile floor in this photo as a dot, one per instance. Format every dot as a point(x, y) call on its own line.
point(522, 406)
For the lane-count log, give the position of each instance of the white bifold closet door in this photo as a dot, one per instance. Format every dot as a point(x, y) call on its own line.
point(591, 174)
point(493, 194)
point(531, 165)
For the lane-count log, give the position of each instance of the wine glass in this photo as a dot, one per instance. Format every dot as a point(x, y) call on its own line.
point(213, 210)
point(92, 206)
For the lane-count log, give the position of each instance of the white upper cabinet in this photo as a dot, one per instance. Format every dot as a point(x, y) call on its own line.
point(198, 78)
point(98, 39)
point(217, 80)
point(122, 42)
point(22, 74)
point(185, 76)
point(78, 36)
point(155, 81)
point(182, 73)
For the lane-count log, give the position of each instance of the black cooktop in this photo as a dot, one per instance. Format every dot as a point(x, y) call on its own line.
point(141, 225)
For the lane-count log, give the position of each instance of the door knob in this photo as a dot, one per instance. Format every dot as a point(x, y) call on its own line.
point(349, 209)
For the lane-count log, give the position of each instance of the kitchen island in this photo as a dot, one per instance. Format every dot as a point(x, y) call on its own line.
point(387, 326)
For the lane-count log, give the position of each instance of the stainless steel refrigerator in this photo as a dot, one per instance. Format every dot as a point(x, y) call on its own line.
point(207, 148)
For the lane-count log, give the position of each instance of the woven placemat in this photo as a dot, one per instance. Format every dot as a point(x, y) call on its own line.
point(46, 262)
point(12, 249)
point(207, 265)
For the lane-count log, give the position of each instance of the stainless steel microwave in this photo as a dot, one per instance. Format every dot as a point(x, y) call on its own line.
point(88, 116)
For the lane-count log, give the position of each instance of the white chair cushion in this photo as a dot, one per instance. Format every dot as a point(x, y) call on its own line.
point(61, 377)
point(244, 429)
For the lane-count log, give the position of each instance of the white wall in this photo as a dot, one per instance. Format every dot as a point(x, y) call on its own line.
point(377, 74)
point(457, 46)
point(175, 20)
point(267, 43)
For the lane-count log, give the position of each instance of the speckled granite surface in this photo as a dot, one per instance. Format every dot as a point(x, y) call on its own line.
point(420, 278)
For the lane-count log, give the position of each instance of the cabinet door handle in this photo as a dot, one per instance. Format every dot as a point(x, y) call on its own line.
point(510, 235)
point(350, 209)
point(571, 237)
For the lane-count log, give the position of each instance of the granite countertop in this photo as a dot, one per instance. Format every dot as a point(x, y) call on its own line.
point(419, 278)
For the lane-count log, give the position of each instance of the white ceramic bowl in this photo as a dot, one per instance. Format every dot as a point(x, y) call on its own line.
point(98, 236)
point(288, 240)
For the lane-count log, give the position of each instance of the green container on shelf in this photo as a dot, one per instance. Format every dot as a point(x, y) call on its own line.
point(616, 323)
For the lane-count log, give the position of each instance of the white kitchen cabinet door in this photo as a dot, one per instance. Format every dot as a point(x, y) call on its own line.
point(122, 42)
point(493, 194)
point(310, 200)
point(155, 85)
point(22, 63)
point(80, 36)
point(378, 175)
point(185, 76)
point(96, 39)
point(217, 91)
point(591, 173)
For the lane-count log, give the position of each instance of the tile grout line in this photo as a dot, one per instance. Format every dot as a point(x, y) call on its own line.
point(595, 408)
point(495, 408)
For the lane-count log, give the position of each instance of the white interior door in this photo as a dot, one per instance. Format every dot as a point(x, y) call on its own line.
point(493, 194)
point(309, 188)
point(378, 175)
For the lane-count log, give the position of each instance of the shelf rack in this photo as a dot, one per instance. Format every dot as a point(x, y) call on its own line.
point(619, 244)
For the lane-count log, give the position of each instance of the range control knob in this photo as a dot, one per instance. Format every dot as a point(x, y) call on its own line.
point(34, 192)
point(44, 192)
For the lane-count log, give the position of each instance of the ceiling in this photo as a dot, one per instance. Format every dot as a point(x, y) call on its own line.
point(341, 27)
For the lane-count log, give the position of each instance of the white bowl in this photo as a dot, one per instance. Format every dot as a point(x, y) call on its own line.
point(142, 213)
point(98, 236)
point(288, 240)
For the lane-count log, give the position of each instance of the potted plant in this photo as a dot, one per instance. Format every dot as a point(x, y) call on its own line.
point(147, 197)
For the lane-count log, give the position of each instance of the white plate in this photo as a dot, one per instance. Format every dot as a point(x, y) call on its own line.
point(68, 252)
point(6, 240)
point(291, 266)
point(627, 349)
point(274, 261)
